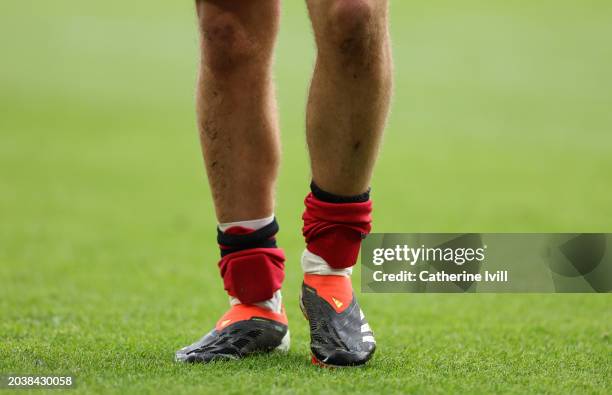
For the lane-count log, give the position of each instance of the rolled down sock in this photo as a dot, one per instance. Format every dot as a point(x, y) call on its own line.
point(333, 229)
point(251, 265)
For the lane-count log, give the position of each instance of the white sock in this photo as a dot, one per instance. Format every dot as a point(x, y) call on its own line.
point(275, 303)
point(254, 224)
point(314, 264)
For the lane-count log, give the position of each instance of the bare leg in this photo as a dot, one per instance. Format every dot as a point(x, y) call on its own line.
point(236, 105)
point(346, 114)
point(350, 92)
point(239, 136)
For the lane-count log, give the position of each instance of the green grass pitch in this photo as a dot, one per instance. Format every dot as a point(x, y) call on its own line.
point(501, 122)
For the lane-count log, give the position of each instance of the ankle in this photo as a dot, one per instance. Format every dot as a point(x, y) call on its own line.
point(251, 265)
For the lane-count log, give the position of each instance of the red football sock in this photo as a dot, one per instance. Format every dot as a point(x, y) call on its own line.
point(251, 265)
point(333, 231)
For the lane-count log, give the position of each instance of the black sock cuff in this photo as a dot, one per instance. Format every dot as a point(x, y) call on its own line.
point(261, 238)
point(331, 198)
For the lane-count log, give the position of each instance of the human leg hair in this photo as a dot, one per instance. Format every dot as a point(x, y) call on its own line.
point(236, 105)
point(347, 109)
point(350, 92)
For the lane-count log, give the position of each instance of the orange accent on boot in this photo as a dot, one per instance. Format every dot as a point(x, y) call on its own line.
point(336, 290)
point(318, 363)
point(243, 312)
